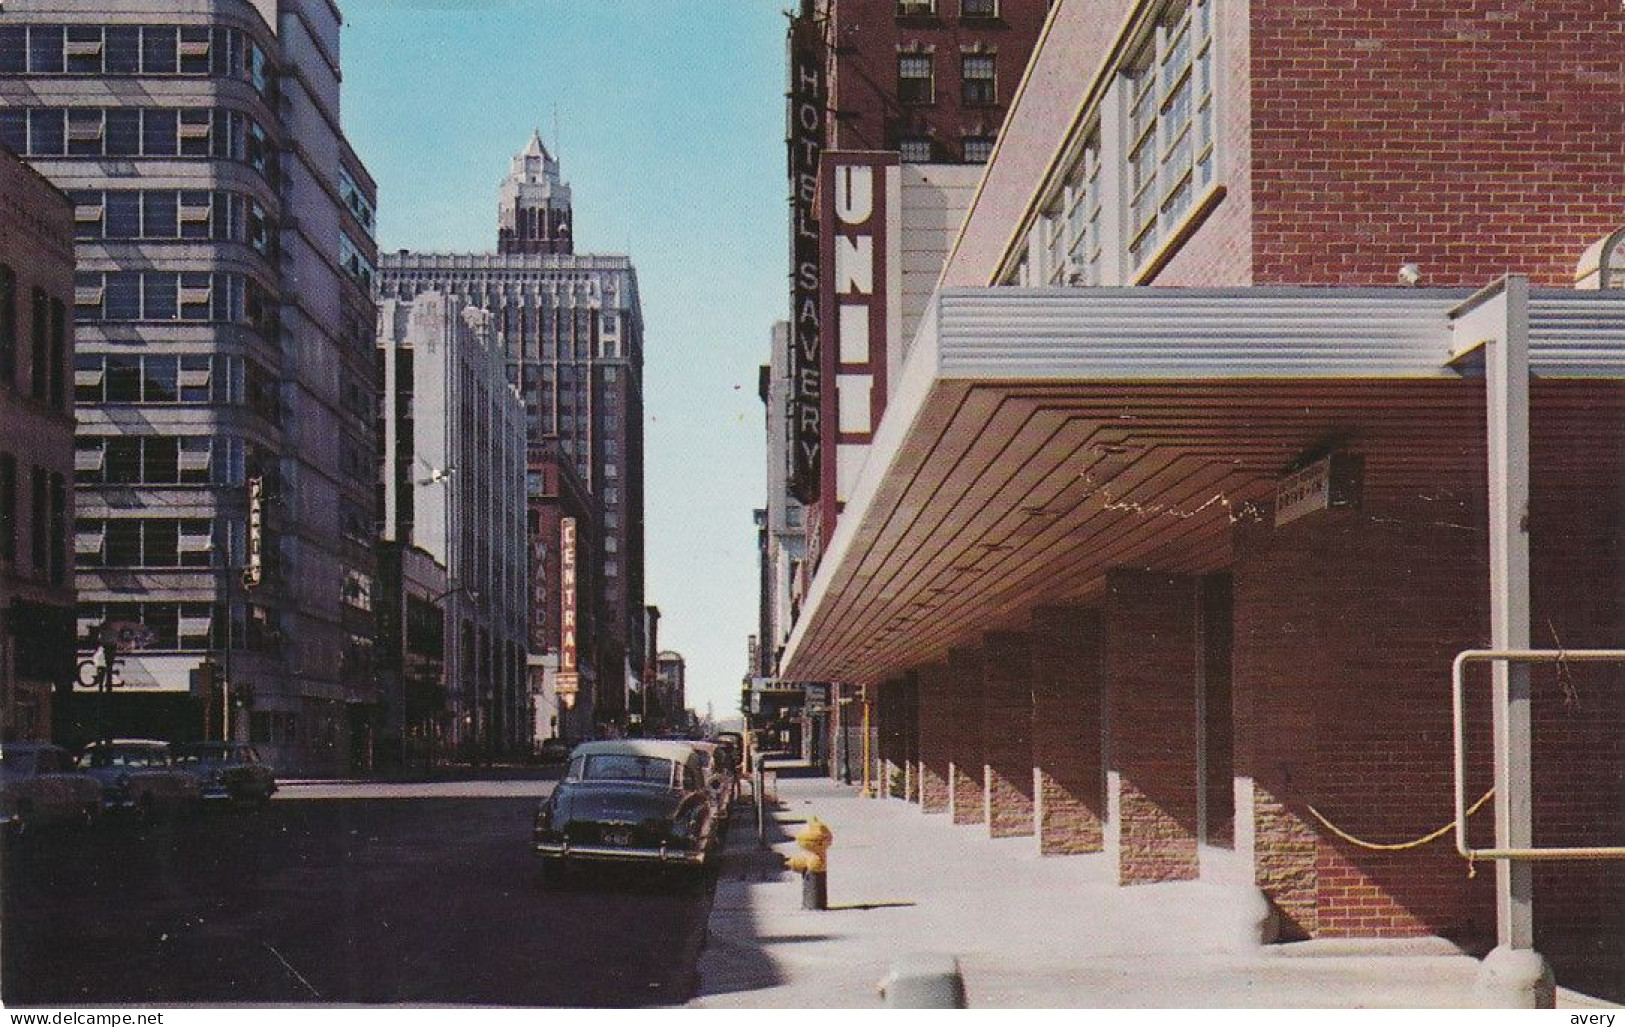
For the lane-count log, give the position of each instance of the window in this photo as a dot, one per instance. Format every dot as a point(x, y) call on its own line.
point(59, 355)
point(1170, 141)
point(978, 149)
point(915, 150)
point(914, 81)
point(1083, 211)
point(40, 383)
point(8, 508)
point(8, 324)
point(40, 521)
point(916, 8)
point(978, 85)
point(978, 9)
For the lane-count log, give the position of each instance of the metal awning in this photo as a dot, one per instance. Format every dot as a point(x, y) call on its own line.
point(1038, 438)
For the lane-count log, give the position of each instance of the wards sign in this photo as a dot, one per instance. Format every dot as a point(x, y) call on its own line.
point(805, 137)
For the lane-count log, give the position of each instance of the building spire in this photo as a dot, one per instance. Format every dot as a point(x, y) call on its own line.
point(533, 212)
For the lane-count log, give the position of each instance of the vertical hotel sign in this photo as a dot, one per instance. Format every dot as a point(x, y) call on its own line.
point(569, 681)
point(805, 137)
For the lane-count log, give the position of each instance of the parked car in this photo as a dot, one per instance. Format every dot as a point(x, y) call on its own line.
point(630, 801)
point(227, 771)
point(554, 750)
point(140, 775)
point(39, 785)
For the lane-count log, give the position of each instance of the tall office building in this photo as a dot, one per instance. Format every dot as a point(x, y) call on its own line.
point(454, 484)
point(225, 370)
point(572, 328)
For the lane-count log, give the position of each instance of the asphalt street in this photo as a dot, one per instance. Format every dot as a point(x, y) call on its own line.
point(429, 899)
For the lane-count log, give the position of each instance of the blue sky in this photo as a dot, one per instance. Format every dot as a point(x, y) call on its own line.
point(671, 120)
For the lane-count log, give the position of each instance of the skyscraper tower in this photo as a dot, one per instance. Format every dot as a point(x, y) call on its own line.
point(533, 214)
point(571, 328)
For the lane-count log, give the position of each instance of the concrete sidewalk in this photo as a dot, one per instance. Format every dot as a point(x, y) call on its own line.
point(1028, 931)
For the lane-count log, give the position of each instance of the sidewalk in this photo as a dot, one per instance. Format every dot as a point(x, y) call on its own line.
point(1027, 931)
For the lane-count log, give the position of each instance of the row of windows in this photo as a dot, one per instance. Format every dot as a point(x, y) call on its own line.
point(144, 542)
point(161, 214)
point(355, 264)
point(968, 9)
point(48, 520)
point(48, 339)
point(213, 379)
point(925, 150)
point(978, 79)
point(182, 627)
point(1167, 138)
point(353, 198)
point(160, 460)
point(137, 132)
point(173, 296)
point(133, 50)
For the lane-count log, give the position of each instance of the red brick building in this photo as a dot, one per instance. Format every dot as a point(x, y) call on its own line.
point(556, 494)
point(1076, 569)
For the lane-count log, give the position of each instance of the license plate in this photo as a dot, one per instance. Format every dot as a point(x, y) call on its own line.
point(618, 836)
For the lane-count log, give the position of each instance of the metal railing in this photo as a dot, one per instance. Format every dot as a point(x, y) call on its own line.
point(1458, 709)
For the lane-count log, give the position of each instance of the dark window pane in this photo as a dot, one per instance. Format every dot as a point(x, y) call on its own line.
point(124, 215)
point(42, 344)
point(159, 380)
point(45, 50)
point(59, 354)
point(161, 545)
point(195, 132)
point(123, 545)
point(160, 214)
point(160, 298)
point(85, 133)
point(89, 391)
point(45, 135)
point(158, 132)
point(13, 49)
point(194, 226)
point(194, 387)
point(158, 50)
point(124, 460)
point(123, 382)
point(14, 129)
point(124, 131)
point(41, 519)
point(122, 54)
point(195, 48)
point(122, 301)
point(160, 461)
point(8, 324)
point(164, 621)
point(88, 62)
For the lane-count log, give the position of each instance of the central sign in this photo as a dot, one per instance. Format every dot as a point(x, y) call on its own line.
point(568, 677)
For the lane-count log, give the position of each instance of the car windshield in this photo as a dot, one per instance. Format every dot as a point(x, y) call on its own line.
point(622, 767)
point(204, 754)
point(129, 758)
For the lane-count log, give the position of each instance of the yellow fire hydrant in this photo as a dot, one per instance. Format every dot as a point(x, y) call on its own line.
point(812, 863)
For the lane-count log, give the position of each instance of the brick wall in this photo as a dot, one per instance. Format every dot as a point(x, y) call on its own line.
point(1577, 533)
point(1066, 665)
point(965, 800)
point(1469, 136)
point(1151, 684)
point(1346, 623)
point(935, 720)
point(1008, 744)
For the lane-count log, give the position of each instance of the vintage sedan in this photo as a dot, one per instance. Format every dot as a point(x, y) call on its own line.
point(40, 785)
point(227, 771)
point(633, 801)
point(140, 775)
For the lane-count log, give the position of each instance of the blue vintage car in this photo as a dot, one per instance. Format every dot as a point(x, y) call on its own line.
point(227, 771)
point(633, 801)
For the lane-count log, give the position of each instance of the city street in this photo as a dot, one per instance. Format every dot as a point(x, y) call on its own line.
point(417, 899)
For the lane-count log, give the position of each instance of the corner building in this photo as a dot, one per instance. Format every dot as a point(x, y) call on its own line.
point(36, 451)
point(571, 326)
point(1180, 508)
point(225, 322)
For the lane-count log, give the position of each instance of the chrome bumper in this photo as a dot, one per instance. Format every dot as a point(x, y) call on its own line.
point(564, 850)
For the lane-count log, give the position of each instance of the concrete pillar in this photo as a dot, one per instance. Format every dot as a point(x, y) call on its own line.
point(935, 737)
point(1069, 775)
point(1007, 698)
point(966, 749)
point(1151, 678)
